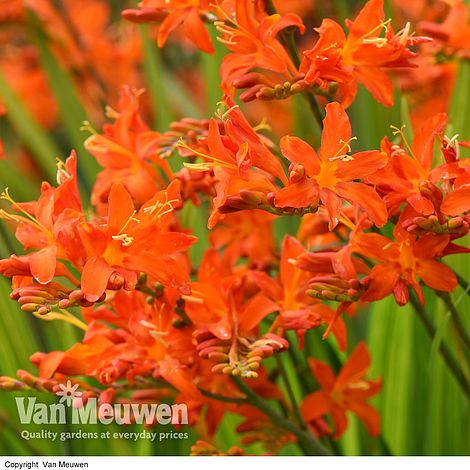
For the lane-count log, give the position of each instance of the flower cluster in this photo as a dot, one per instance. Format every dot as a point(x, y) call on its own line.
point(167, 312)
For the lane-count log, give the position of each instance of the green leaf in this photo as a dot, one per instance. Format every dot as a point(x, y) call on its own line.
point(41, 146)
point(72, 113)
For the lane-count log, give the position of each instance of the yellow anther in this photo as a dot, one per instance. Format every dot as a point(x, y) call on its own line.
point(361, 385)
point(342, 153)
point(396, 150)
point(194, 300)
point(125, 239)
point(405, 34)
point(159, 209)
point(452, 142)
point(223, 116)
point(203, 166)
point(62, 174)
point(381, 25)
point(86, 126)
point(263, 125)
point(379, 42)
point(399, 131)
point(26, 218)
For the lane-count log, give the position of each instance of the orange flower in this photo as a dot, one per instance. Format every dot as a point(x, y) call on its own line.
point(297, 310)
point(346, 392)
point(247, 234)
point(407, 169)
point(227, 319)
point(48, 226)
point(330, 176)
point(126, 150)
point(452, 36)
point(360, 57)
point(402, 261)
point(251, 38)
point(242, 163)
point(172, 14)
point(131, 242)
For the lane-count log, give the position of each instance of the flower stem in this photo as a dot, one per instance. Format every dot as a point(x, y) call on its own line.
point(288, 40)
point(458, 324)
point(225, 399)
point(451, 362)
point(310, 445)
point(290, 392)
point(463, 283)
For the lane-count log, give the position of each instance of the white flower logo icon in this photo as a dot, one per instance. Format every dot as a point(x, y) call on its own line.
point(68, 392)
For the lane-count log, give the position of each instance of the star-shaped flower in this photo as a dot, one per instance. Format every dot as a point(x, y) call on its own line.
point(68, 392)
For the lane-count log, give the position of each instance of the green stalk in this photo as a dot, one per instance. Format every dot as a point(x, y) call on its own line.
point(71, 110)
point(153, 70)
point(449, 359)
point(311, 445)
point(458, 324)
point(223, 398)
point(290, 392)
point(31, 134)
point(463, 283)
point(288, 40)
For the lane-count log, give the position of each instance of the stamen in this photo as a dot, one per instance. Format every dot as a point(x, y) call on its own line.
point(111, 113)
point(64, 316)
point(154, 333)
point(88, 127)
point(27, 218)
point(382, 24)
point(453, 141)
point(379, 42)
point(227, 42)
point(361, 385)
point(194, 300)
point(62, 174)
point(405, 34)
point(399, 131)
point(125, 239)
point(396, 150)
point(229, 111)
point(203, 166)
point(341, 154)
point(263, 125)
point(158, 207)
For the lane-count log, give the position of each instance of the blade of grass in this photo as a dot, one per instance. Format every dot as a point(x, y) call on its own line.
point(153, 69)
point(71, 110)
point(210, 66)
point(41, 146)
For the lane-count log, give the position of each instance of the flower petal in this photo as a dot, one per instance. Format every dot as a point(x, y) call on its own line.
point(458, 202)
point(356, 366)
point(95, 278)
point(43, 264)
point(336, 132)
point(363, 164)
point(366, 198)
point(436, 275)
point(120, 208)
point(382, 281)
point(323, 373)
point(315, 405)
point(298, 151)
point(298, 195)
point(368, 415)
